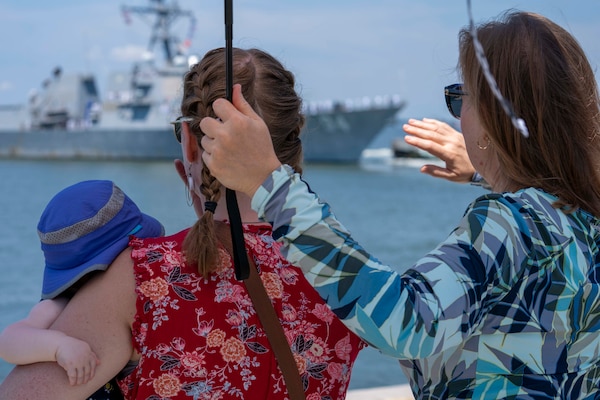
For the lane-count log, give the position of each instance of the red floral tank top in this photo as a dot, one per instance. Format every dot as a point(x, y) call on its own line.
point(201, 338)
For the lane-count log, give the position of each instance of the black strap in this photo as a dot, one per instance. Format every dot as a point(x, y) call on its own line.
point(270, 323)
point(237, 234)
point(239, 249)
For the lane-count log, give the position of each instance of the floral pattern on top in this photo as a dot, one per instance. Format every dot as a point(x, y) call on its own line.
point(202, 339)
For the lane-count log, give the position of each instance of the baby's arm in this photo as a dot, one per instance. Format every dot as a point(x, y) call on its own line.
point(29, 341)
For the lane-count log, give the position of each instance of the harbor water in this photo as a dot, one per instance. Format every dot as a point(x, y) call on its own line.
point(393, 210)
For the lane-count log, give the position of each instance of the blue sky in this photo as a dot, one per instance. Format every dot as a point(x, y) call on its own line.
point(337, 49)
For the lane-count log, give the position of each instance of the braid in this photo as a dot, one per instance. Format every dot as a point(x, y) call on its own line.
point(281, 108)
point(200, 244)
point(269, 89)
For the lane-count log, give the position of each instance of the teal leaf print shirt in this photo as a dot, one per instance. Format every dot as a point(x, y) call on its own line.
point(508, 306)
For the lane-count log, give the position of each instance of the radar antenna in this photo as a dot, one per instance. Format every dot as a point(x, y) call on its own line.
point(165, 16)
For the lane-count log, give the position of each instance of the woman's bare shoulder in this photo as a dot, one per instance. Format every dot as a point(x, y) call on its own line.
point(111, 292)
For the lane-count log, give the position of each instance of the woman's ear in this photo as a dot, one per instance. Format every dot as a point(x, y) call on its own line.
point(190, 144)
point(180, 168)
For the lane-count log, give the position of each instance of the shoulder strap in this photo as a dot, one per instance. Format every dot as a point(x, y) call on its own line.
point(270, 322)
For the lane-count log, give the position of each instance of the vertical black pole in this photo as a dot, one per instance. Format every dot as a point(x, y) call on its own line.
point(240, 258)
point(228, 49)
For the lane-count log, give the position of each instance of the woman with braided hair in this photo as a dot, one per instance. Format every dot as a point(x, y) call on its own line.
point(172, 305)
point(269, 89)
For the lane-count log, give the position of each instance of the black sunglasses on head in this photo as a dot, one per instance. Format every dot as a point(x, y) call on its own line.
point(177, 126)
point(454, 94)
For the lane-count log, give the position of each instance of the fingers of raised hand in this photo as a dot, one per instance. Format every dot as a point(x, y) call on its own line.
point(438, 172)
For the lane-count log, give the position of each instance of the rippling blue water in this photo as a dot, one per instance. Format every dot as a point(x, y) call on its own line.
point(394, 211)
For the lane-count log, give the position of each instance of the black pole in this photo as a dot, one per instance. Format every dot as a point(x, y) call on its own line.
point(228, 49)
point(240, 258)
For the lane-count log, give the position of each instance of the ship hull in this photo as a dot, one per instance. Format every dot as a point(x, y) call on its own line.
point(68, 119)
point(336, 137)
point(340, 137)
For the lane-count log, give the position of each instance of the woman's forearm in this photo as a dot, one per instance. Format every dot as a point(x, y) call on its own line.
point(400, 315)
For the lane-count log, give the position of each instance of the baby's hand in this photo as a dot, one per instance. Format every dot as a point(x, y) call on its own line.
point(77, 358)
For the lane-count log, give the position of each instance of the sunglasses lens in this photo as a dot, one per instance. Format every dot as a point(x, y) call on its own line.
point(454, 95)
point(177, 131)
point(177, 126)
point(455, 106)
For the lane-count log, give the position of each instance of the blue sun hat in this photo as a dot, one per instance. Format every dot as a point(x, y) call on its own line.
point(84, 228)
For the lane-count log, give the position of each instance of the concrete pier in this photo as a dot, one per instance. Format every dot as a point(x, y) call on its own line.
point(396, 392)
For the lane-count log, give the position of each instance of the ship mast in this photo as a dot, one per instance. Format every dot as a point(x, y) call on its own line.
point(165, 15)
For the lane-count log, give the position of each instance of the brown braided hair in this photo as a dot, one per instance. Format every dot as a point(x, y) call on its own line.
point(270, 89)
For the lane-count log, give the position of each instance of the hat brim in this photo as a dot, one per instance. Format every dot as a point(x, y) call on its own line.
point(56, 281)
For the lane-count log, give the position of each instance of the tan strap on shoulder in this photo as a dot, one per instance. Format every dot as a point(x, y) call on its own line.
point(270, 322)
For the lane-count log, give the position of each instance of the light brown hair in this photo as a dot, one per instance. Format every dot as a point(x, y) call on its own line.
point(270, 89)
point(543, 72)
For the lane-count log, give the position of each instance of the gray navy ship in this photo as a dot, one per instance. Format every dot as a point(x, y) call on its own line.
point(68, 119)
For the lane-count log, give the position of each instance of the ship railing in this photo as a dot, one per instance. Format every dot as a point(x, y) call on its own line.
point(348, 105)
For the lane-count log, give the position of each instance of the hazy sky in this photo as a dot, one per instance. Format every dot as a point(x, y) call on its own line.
point(337, 49)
